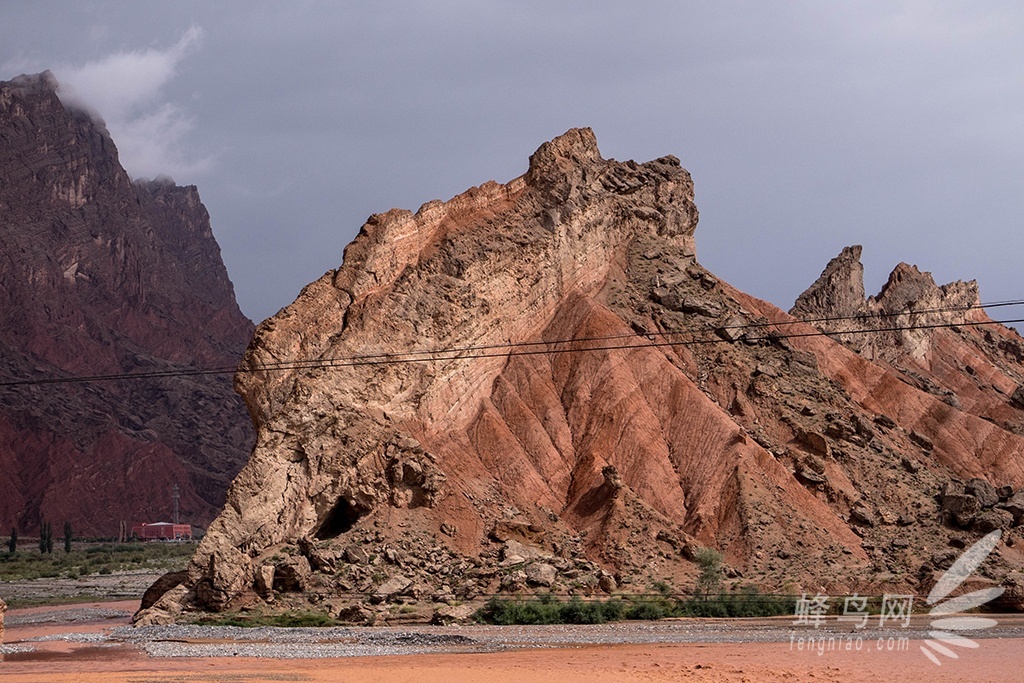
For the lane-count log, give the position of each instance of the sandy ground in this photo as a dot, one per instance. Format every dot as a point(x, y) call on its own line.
point(995, 659)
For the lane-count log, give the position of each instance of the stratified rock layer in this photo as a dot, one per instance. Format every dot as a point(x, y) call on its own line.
point(102, 276)
point(536, 386)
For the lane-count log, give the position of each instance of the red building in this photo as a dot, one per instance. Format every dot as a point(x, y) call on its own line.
point(162, 531)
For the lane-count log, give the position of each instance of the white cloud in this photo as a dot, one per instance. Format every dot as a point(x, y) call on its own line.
point(127, 90)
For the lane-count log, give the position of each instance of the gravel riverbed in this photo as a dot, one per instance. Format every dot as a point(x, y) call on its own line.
point(182, 640)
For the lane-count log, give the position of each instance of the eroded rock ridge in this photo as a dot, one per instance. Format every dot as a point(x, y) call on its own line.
point(537, 386)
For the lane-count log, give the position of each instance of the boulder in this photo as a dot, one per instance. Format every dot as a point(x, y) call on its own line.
point(667, 298)
point(162, 585)
point(229, 573)
point(607, 583)
point(809, 476)
point(885, 422)
point(320, 559)
point(153, 616)
point(541, 574)
point(803, 362)
point(453, 614)
point(264, 582)
point(291, 575)
point(1017, 399)
point(514, 581)
point(863, 516)
point(815, 443)
point(1013, 597)
point(355, 554)
point(350, 613)
point(393, 586)
point(840, 429)
point(862, 427)
point(888, 517)
point(961, 508)
point(165, 610)
point(409, 613)
point(708, 308)
point(943, 559)
point(982, 490)
point(734, 329)
point(1015, 506)
point(990, 520)
point(921, 440)
point(515, 552)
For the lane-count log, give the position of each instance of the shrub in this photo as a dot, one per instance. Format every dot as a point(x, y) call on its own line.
point(709, 581)
point(546, 609)
point(286, 619)
point(747, 602)
point(649, 609)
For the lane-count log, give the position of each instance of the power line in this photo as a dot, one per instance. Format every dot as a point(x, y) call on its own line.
point(527, 348)
point(863, 317)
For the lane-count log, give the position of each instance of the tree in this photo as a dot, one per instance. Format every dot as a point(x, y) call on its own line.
point(67, 537)
point(46, 537)
point(709, 581)
point(12, 545)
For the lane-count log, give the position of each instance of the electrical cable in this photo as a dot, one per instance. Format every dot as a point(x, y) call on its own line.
point(526, 348)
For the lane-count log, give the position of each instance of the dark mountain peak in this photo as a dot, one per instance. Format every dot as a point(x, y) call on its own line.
point(101, 276)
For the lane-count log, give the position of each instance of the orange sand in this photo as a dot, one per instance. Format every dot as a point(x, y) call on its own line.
point(58, 662)
point(996, 660)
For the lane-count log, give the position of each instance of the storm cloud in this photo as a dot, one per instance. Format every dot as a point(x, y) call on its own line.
point(807, 125)
point(126, 89)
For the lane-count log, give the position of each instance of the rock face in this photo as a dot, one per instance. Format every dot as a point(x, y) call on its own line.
point(536, 386)
point(939, 341)
point(102, 276)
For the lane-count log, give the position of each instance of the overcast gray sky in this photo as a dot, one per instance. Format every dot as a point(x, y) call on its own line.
point(807, 126)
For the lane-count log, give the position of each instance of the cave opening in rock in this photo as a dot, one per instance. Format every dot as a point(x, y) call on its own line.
point(342, 517)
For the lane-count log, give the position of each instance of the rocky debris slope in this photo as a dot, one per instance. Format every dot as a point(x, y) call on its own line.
point(604, 408)
point(100, 276)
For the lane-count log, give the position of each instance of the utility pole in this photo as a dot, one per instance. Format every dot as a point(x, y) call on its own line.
point(175, 496)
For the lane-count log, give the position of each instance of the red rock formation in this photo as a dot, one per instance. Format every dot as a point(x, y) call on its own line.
point(602, 407)
point(935, 369)
point(101, 275)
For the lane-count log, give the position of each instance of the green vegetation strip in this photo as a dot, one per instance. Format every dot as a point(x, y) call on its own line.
point(285, 619)
point(550, 610)
point(94, 558)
